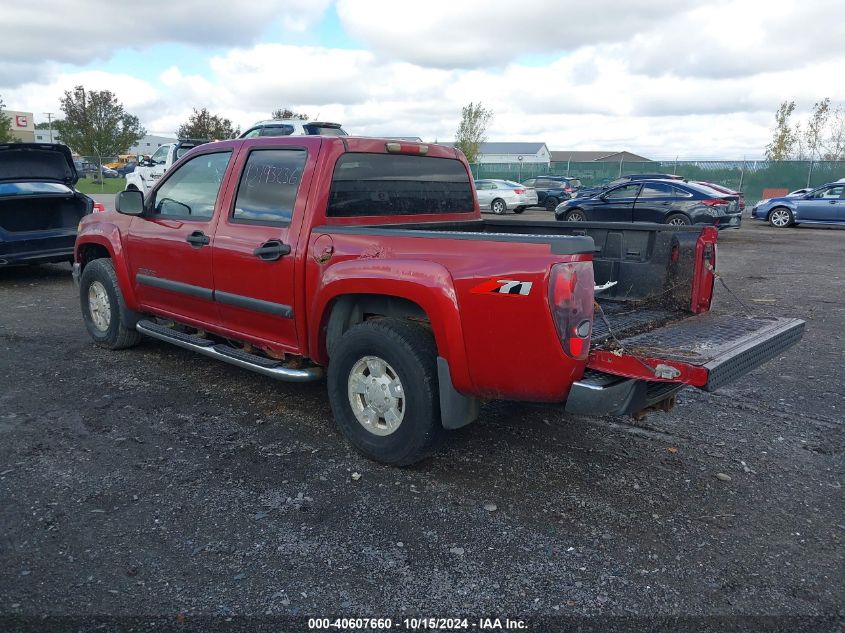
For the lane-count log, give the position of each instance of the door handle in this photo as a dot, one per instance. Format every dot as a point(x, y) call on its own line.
point(198, 239)
point(271, 251)
point(832, 202)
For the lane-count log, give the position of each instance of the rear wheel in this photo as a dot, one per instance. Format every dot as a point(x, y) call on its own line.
point(383, 390)
point(551, 204)
point(519, 210)
point(109, 322)
point(576, 215)
point(781, 217)
point(498, 206)
point(678, 219)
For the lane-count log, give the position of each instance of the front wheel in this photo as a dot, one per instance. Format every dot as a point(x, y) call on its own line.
point(498, 206)
point(781, 217)
point(109, 322)
point(383, 390)
point(576, 215)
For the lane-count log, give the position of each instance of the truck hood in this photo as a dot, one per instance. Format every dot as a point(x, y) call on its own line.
point(37, 162)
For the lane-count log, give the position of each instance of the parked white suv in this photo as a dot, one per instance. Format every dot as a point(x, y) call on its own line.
point(294, 127)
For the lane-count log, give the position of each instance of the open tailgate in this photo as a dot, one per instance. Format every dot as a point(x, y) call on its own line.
point(705, 350)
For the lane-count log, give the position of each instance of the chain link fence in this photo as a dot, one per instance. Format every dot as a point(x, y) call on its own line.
point(750, 176)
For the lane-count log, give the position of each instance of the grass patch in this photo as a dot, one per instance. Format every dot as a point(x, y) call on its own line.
point(110, 185)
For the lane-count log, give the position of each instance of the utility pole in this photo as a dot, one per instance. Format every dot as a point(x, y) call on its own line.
point(50, 124)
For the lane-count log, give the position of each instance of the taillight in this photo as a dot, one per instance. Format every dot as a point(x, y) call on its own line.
point(715, 203)
point(568, 190)
point(571, 289)
point(99, 207)
point(519, 191)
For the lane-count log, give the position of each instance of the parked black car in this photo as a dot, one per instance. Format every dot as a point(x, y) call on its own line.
point(39, 207)
point(552, 190)
point(588, 192)
point(660, 201)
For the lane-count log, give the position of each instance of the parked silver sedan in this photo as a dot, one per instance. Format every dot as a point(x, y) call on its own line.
point(501, 196)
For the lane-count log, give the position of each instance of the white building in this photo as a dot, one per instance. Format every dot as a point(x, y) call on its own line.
point(47, 136)
point(514, 153)
point(149, 144)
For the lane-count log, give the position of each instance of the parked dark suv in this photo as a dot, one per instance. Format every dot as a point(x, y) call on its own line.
point(552, 190)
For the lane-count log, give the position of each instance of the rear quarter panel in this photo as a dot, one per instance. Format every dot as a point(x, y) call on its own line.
point(498, 345)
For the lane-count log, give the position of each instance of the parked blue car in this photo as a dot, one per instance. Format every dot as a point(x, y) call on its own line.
point(822, 205)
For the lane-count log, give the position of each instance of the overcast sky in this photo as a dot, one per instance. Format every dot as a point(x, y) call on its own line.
point(657, 77)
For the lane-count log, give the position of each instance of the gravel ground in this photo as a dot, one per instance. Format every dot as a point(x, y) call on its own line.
point(154, 482)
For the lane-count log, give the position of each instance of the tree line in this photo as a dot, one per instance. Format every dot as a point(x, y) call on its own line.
point(820, 136)
point(96, 124)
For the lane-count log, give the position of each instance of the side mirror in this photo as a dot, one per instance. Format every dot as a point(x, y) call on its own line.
point(129, 202)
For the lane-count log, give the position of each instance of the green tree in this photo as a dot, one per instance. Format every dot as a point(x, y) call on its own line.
point(835, 142)
point(287, 113)
point(783, 138)
point(816, 127)
point(472, 130)
point(5, 125)
point(204, 125)
point(96, 124)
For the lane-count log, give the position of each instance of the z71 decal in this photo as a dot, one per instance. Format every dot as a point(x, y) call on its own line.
point(504, 287)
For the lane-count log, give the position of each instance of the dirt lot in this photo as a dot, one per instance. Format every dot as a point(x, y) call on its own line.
point(153, 482)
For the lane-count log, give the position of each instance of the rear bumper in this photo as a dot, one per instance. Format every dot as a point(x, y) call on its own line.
point(729, 221)
point(598, 393)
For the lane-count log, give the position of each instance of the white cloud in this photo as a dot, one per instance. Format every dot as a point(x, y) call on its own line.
point(83, 30)
point(667, 79)
point(479, 33)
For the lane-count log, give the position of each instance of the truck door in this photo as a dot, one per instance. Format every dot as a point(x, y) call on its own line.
point(169, 247)
point(255, 242)
point(159, 165)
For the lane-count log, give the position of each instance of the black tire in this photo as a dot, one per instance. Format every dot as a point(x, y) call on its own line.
point(678, 219)
point(777, 216)
point(498, 206)
point(575, 215)
point(551, 204)
point(410, 351)
point(120, 332)
point(519, 210)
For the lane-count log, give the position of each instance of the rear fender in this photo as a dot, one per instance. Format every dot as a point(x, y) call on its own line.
point(107, 235)
point(426, 284)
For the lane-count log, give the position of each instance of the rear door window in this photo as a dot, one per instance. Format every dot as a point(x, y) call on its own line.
point(391, 184)
point(268, 187)
point(656, 190)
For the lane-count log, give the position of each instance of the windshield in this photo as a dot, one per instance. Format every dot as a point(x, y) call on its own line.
point(33, 189)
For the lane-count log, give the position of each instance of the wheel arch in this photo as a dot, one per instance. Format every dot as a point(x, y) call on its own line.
point(780, 206)
point(356, 290)
point(106, 244)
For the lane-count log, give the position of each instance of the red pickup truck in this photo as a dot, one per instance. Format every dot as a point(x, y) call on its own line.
point(368, 260)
